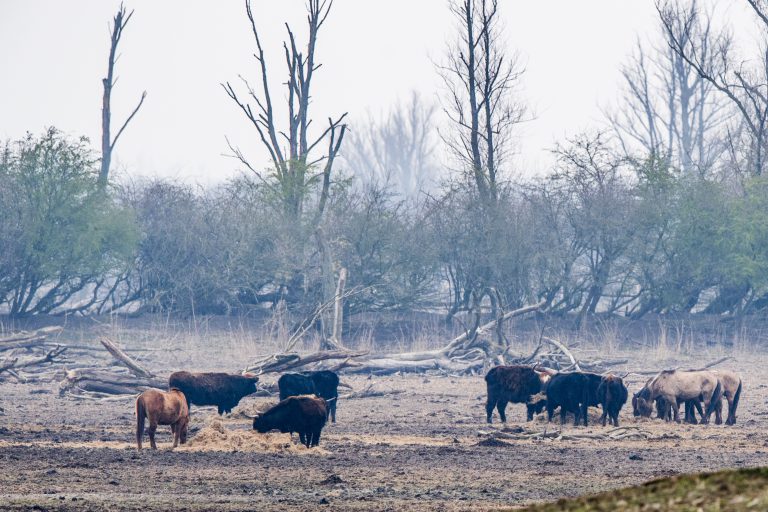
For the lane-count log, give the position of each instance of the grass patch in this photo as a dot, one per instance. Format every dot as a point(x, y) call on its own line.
point(734, 490)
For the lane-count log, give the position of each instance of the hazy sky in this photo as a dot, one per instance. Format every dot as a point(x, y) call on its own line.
point(373, 52)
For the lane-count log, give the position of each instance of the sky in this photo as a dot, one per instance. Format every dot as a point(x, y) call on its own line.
point(54, 55)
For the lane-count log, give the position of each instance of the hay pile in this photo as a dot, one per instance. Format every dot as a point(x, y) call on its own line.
point(215, 436)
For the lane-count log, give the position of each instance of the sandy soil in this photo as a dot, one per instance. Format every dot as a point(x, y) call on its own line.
point(415, 450)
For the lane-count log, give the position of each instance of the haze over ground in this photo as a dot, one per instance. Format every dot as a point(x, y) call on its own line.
point(373, 53)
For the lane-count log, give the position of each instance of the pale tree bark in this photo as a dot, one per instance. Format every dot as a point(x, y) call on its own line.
point(119, 23)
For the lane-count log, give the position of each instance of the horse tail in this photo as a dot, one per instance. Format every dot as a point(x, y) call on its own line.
point(717, 395)
point(736, 402)
point(141, 414)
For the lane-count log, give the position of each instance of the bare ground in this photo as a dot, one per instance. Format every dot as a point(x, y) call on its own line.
point(414, 450)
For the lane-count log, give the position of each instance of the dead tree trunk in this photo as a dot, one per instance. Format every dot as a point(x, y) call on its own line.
point(107, 142)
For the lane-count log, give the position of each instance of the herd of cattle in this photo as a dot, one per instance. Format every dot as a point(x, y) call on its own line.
point(308, 399)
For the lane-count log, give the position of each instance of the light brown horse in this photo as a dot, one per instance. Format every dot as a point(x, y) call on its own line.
point(162, 408)
point(675, 386)
point(731, 383)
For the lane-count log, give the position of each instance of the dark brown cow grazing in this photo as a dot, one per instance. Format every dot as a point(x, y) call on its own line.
point(220, 389)
point(304, 414)
point(516, 384)
point(162, 408)
point(612, 395)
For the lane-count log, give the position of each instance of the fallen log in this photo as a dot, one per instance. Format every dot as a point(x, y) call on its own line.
point(278, 363)
point(459, 340)
point(26, 336)
point(564, 350)
point(126, 360)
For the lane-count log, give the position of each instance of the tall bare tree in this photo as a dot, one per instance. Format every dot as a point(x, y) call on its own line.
point(746, 86)
point(398, 150)
point(294, 168)
point(119, 23)
point(481, 76)
point(668, 111)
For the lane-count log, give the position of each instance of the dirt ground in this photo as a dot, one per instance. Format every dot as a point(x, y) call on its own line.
point(416, 447)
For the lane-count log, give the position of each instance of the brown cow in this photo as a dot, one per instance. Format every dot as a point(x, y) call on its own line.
point(220, 389)
point(612, 394)
point(162, 408)
point(516, 384)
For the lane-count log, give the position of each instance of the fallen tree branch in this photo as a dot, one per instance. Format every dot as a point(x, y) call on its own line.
point(277, 363)
point(564, 350)
point(126, 360)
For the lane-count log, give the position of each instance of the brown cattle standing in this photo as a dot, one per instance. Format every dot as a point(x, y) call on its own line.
point(612, 395)
point(162, 408)
point(514, 383)
point(220, 389)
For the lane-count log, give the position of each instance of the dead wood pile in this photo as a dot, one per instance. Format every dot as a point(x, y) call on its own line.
point(30, 356)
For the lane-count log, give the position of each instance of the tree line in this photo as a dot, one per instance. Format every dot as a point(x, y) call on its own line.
point(661, 209)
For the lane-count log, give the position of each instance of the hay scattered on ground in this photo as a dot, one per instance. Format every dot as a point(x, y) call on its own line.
point(215, 436)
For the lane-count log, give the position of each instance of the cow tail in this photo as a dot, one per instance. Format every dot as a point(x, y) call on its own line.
point(736, 400)
point(141, 414)
point(717, 395)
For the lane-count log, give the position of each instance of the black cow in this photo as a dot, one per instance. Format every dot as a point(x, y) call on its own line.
point(220, 389)
point(323, 383)
point(573, 392)
point(612, 394)
point(303, 414)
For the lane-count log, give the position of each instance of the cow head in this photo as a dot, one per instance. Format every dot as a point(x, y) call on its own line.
point(254, 379)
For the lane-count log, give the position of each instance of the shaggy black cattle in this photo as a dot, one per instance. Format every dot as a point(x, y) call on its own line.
point(516, 384)
point(323, 383)
point(612, 395)
point(303, 414)
point(573, 392)
point(220, 389)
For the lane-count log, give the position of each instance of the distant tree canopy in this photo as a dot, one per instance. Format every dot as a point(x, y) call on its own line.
point(661, 209)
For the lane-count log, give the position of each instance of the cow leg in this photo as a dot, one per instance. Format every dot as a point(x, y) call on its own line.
point(550, 412)
point(316, 437)
point(563, 412)
point(501, 406)
point(151, 431)
point(303, 438)
point(604, 416)
point(585, 413)
point(333, 410)
point(615, 416)
point(220, 409)
point(489, 405)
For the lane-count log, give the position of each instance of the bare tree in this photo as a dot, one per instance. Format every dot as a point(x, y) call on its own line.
point(119, 23)
point(398, 151)
point(668, 110)
point(293, 167)
point(745, 86)
point(481, 76)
